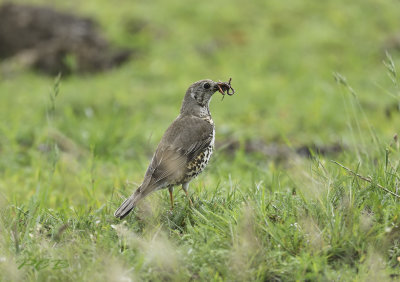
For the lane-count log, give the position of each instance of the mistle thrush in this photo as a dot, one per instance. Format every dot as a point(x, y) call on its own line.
point(185, 148)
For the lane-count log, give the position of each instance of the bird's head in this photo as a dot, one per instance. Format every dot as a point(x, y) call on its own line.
point(198, 96)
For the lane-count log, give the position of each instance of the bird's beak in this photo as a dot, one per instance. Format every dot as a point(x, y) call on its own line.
point(225, 88)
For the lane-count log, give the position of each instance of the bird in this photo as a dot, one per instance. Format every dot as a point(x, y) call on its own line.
point(184, 149)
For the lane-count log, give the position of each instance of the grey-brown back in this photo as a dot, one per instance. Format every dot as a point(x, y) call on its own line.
point(183, 141)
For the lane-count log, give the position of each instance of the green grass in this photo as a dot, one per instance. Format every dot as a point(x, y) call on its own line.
point(71, 151)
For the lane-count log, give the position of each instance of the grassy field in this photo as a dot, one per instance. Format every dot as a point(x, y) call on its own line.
point(306, 73)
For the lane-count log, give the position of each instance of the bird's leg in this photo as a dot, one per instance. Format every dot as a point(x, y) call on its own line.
point(185, 187)
point(171, 196)
point(190, 201)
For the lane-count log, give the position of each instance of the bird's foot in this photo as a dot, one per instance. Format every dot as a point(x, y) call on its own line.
point(190, 201)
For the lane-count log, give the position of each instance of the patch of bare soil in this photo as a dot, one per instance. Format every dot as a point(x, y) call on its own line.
point(391, 110)
point(52, 42)
point(392, 43)
point(279, 152)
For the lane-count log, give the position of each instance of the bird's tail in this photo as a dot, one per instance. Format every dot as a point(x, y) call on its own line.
point(128, 205)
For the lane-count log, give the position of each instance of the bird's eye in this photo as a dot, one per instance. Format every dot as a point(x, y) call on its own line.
point(206, 85)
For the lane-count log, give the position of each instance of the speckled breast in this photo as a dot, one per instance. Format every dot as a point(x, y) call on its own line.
point(198, 165)
point(195, 167)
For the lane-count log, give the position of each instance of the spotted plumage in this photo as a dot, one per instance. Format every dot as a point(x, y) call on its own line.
point(185, 148)
point(196, 166)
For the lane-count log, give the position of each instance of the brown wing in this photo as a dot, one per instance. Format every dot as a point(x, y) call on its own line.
point(182, 142)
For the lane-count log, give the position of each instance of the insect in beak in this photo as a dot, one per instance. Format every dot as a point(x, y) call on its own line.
point(225, 88)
